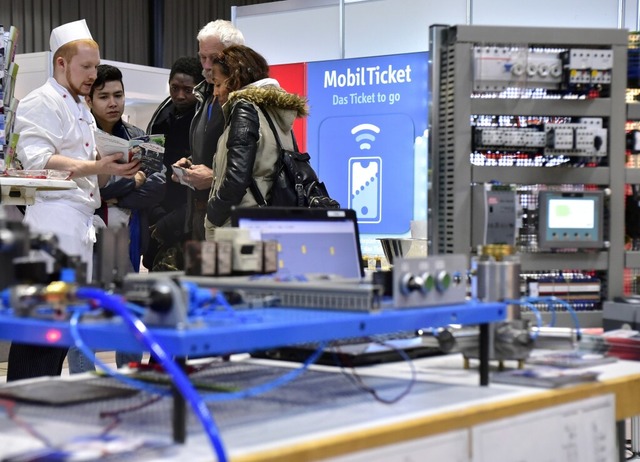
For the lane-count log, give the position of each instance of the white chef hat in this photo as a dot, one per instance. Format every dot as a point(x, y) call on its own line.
point(61, 35)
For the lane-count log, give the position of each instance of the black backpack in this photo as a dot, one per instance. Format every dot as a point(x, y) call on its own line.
point(295, 183)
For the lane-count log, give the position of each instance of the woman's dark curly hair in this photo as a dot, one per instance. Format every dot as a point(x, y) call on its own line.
point(242, 65)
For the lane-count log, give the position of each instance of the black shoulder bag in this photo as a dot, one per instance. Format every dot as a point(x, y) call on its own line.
point(295, 182)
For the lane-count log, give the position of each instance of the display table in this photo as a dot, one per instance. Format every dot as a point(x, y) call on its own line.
point(22, 191)
point(255, 329)
point(323, 415)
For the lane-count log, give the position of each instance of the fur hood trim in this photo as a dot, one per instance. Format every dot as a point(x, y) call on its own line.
point(270, 95)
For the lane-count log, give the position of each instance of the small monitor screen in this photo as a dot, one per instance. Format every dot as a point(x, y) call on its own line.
point(570, 219)
point(576, 213)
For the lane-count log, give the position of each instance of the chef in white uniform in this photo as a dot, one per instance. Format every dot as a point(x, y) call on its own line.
point(56, 132)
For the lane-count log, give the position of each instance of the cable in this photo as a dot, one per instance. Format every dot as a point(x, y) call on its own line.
point(567, 306)
point(263, 388)
point(115, 414)
point(180, 380)
point(10, 409)
point(356, 379)
point(88, 352)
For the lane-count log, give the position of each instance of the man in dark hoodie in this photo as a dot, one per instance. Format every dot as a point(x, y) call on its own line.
point(173, 119)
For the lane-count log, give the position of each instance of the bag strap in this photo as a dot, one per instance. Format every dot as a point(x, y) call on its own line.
point(253, 186)
point(275, 132)
point(257, 195)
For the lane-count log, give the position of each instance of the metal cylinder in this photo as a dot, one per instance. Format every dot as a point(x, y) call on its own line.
point(555, 338)
point(499, 280)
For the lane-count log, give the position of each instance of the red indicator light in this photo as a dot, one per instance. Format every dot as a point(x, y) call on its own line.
point(53, 335)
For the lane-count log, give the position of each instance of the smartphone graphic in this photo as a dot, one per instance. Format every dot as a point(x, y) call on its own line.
point(365, 188)
point(353, 153)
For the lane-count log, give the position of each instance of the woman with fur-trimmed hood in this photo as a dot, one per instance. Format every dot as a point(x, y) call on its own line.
point(247, 149)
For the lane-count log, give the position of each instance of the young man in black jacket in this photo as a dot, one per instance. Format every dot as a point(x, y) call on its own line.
point(173, 119)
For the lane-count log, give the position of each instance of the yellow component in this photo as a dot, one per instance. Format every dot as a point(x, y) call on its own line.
point(332, 250)
point(303, 249)
point(58, 291)
point(497, 251)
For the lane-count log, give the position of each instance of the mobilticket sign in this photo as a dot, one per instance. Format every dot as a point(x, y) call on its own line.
point(368, 116)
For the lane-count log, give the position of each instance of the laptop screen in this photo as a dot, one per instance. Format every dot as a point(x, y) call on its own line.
point(324, 241)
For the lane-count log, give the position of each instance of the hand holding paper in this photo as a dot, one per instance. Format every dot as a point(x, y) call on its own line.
point(180, 173)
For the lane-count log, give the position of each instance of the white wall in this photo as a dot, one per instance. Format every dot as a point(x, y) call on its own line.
point(292, 31)
point(547, 13)
point(311, 30)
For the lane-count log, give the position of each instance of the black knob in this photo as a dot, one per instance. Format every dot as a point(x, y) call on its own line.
point(597, 142)
point(161, 297)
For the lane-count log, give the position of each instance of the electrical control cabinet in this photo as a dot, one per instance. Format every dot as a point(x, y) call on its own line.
point(530, 109)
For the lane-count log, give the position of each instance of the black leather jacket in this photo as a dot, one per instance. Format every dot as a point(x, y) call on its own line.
point(247, 149)
point(242, 144)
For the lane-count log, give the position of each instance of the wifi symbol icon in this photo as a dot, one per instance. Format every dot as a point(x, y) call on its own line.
point(364, 135)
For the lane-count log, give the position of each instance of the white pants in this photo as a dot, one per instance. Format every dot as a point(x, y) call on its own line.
point(74, 228)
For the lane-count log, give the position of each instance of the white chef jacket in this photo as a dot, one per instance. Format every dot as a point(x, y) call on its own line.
point(49, 120)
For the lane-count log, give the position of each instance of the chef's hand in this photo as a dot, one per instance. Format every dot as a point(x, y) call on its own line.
point(109, 165)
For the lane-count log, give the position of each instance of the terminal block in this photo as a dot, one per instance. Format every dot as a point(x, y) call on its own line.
point(587, 67)
point(498, 68)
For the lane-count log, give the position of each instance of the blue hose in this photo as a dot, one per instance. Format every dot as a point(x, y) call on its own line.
point(180, 380)
point(88, 352)
point(567, 306)
point(263, 388)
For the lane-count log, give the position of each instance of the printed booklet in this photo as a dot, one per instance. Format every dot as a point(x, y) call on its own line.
point(148, 148)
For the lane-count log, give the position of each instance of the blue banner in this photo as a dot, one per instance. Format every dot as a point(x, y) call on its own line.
point(367, 137)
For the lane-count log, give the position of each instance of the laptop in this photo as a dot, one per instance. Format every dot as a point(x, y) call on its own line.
point(315, 241)
point(311, 241)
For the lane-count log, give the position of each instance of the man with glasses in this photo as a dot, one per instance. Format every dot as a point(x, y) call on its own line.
point(207, 124)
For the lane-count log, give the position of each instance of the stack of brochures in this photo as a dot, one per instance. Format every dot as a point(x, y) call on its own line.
point(545, 377)
point(571, 359)
point(556, 369)
point(618, 343)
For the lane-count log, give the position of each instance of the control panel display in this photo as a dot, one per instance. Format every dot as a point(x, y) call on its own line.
point(571, 219)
